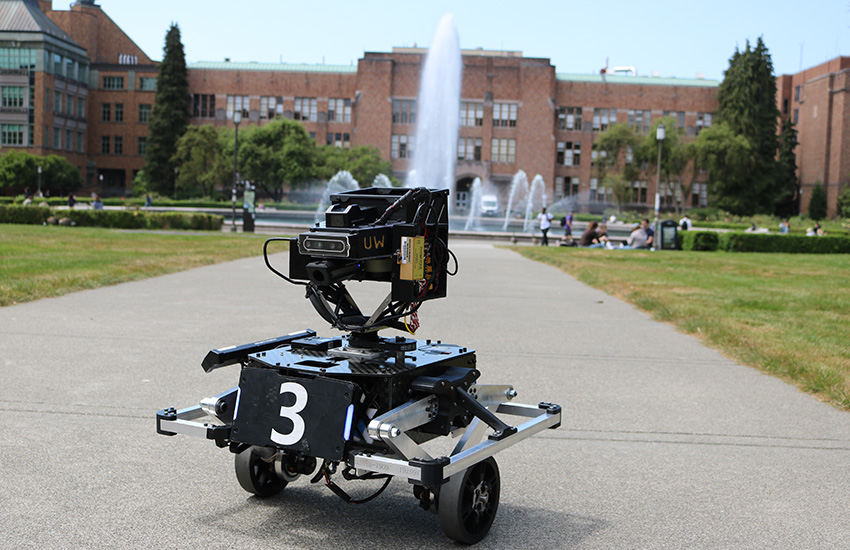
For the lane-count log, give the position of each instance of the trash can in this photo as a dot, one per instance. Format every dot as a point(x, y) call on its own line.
point(668, 238)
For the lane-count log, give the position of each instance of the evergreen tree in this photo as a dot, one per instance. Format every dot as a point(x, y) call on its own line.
point(787, 188)
point(747, 104)
point(817, 202)
point(170, 115)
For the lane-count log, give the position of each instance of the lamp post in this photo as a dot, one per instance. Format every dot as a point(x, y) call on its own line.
point(659, 137)
point(39, 181)
point(237, 118)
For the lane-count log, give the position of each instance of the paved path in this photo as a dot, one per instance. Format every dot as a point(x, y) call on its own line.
point(665, 444)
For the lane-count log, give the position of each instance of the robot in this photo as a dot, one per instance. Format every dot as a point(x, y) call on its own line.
point(362, 405)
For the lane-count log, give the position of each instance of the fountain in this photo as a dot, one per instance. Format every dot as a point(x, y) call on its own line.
point(437, 111)
point(342, 181)
point(519, 189)
point(382, 180)
point(474, 206)
point(536, 183)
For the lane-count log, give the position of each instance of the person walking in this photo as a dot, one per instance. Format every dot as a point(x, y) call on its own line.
point(545, 223)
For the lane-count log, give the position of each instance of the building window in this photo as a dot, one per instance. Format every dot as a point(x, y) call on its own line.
point(796, 118)
point(703, 121)
point(796, 94)
point(143, 146)
point(784, 105)
point(237, 103)
point(402, 146)
point(404, 111)
point(569, 153)
point(147, 83)
point(57, 138)
point(339, 139)
point(104, 145)
point(69, 140)
point(203, 106)
point(638, 192)
point(597, 157)
point(569, 118)
point(144, 113)
point(699, 195)
point(47, 99)
point(13, 96)
point(82, 73)
point(602, 118)
point(69, 104)
point(18, 58)
point(113, 82)
point(57, 101)
point(679, 116)
point(268, 106)
point(119, 112)
point(105, 112)
point(80, 142)
point(503, 151)
point(57, 64)
point(504, 114)
point(305, 109)
point(81, 107)
point(469, 149)
point(339, 110)
point(471, 114)
point(639, 120)
point(69, 69)
point(118, 145)
point(12, 134)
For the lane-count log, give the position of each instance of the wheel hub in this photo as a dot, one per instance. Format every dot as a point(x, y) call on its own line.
point(480, 496)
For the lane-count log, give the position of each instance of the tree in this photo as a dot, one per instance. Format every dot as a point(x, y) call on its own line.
point(19, 169)
point(787, 188)
point(170, 115)
point(746, 102)
point(201, 162)
point(728, 158)
point(817, 202)
point(364, 162)
point(617, 142)
point(278, 153)
point(844, 203)
point(675, 157)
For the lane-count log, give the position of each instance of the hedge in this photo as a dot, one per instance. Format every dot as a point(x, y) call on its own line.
point(699, 240)
point(119, 219)
point(765, 242)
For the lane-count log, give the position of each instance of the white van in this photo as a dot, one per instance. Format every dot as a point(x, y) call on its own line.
point(489, 205)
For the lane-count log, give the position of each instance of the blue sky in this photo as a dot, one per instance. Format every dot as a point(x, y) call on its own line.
point(674, 38)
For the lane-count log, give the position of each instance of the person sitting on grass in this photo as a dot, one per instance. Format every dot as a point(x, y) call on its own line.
point(590, 239)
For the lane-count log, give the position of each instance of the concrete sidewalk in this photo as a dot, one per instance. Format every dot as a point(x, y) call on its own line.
point(664, 443)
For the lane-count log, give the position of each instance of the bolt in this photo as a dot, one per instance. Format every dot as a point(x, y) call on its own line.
point(510, 393)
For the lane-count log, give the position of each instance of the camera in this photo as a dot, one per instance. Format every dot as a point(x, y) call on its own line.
point(393, 235)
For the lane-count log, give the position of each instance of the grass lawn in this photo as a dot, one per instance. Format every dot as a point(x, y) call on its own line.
point(788, 314)
point(41, 261)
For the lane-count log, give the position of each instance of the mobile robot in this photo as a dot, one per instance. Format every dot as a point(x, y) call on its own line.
point(360, 404)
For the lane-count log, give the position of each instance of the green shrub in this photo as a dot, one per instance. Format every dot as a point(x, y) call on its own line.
point(764, 242)
point(699, 240)
point(29, 215)
point(118, 219)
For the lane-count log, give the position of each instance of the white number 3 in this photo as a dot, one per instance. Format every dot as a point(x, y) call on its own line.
point(291, 413)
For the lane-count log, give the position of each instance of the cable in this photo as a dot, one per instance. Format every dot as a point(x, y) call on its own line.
point(269, 265)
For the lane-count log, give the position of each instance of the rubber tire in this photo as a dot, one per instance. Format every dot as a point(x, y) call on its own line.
point(458, 519)
point(256, 475)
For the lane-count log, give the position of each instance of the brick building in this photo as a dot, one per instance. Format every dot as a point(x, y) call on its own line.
point(818, 102)
point(517, 113)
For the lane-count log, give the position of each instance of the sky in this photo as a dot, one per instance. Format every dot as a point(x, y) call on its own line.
point(680, 39)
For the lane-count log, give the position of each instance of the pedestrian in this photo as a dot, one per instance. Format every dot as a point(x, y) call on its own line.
point(545, 223)
point(96, 203)
point(148, 201)
point(685, 223)
point(568, 230)
point(72, 200)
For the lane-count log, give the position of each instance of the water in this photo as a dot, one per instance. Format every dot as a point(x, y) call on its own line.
point(342, 181)
point(531, 205)
point(474, 206)
point(382, 181)
point(437, 121)
point(519, 189)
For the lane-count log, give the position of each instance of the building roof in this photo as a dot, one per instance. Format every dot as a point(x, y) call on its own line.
point(638, 80)
point(24, 16)
point(284, 67)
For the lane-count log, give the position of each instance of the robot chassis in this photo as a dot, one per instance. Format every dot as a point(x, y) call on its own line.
point(361, 404)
